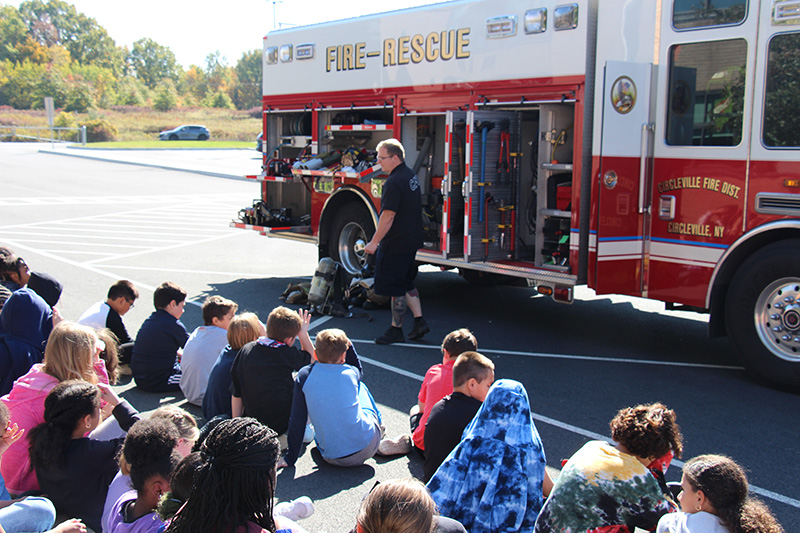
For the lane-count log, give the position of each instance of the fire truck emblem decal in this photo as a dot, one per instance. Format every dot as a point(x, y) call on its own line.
point(623, 95)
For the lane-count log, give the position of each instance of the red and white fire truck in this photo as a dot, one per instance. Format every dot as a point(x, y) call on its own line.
point(641, 147)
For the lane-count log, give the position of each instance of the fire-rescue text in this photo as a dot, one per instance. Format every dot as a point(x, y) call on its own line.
point(446, 45)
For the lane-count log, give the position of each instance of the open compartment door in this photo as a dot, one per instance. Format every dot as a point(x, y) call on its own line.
point(490, 189)
point(455, 170)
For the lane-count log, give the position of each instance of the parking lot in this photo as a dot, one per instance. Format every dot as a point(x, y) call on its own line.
point(89, 222)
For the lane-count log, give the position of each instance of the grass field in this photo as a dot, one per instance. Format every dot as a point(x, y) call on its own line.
point(141, 124)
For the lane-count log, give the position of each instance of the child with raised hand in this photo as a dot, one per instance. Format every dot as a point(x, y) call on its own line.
point(261, 374)
point(149, 451)
point(73, 470)
point(715, 499)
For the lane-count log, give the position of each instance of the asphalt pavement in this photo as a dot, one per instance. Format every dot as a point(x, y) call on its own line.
point(163, 215)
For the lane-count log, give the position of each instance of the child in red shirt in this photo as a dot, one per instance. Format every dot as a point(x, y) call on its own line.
point(438, 382)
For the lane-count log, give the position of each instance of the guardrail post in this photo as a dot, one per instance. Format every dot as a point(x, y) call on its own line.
point(83, 135)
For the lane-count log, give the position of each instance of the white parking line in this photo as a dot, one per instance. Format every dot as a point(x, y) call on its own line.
point(571, 357)
point(188, 271)
point(563, 425)
point(164, 248)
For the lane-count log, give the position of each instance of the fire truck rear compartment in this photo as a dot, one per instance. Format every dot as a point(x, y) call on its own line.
point(516, 184)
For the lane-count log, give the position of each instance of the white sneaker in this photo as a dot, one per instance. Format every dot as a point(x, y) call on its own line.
point(397, 446)
point(295, 510)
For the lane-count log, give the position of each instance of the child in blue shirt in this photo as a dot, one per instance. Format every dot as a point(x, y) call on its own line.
point(330, 393)
point(159, 342)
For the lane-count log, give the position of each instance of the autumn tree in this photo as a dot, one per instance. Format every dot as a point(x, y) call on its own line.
point(153, 62)
point(246, 90)
point(166, 97)
point(13, 33)
point(56, 22)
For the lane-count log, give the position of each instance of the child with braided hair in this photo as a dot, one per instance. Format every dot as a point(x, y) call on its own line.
point(714, 499)
point(74, 470)
point(235, 483)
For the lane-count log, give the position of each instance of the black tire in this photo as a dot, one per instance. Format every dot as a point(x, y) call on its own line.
point(202, 137)
point(351, 230)
point(762, 312)
point(173, 136)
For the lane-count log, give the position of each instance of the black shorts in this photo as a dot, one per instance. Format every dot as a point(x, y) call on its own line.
point(394, 273)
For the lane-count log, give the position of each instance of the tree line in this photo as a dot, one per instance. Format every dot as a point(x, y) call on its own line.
point(48, 48)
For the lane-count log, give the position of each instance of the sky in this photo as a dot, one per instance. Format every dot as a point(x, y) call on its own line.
point(192, 29)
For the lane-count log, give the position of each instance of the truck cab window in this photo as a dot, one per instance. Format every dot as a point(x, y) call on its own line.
point(781, 127)
point(691, 14)
point(706, 93)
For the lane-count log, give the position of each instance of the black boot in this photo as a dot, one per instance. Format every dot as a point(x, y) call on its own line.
point(390, 336)
point(420, 329)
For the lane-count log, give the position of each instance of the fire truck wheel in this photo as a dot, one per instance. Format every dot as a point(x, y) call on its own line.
point(763, 312)
point(350, 232)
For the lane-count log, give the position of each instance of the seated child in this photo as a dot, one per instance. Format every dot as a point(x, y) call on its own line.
point(495, 479)
point(261, 374)
point(715, 499)
point(397, 506)
point(473, 374)
point(180, 484)
point(402, 506)
point(73, 470)
point(234, 485)
point(14, 272)
point(438, 381)
point(25, 325)
point(204, 346)
point(108, 314)
point(108, 358)
point(71, 353)
point(149, 451)
point(243, 329)
point(32, 514)
point(330, 393)
point(188, 435)
point(154, 364)
point(610, 485)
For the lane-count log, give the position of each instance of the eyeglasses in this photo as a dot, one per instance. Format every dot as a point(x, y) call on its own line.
point(130, 303)
point(381, 158)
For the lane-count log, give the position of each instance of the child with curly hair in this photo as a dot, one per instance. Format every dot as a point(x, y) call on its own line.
point(149, 451)
point(610, 485)
point(714, 499)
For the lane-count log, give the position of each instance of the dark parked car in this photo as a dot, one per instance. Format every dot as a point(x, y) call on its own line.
point(185, 133)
